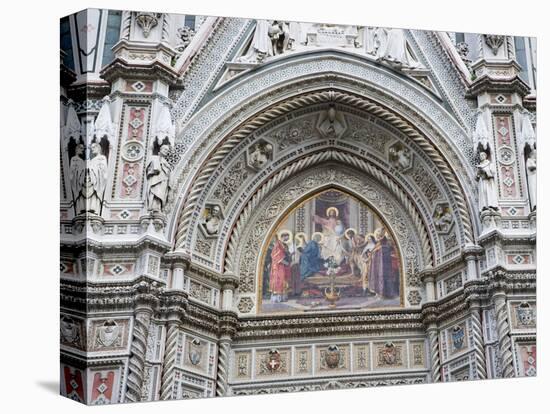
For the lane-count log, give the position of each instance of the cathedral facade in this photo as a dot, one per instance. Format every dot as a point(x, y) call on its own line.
point(260, 206)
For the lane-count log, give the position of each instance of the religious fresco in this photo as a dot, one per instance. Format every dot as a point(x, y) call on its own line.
point(332, 252)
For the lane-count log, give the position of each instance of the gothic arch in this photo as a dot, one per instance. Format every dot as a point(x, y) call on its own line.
point(259, 97)
point(278, 112)
point(329, 174)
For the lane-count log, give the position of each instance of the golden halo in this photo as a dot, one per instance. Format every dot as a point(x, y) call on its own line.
point(285, 231)
point(368, 235)
point(347, 230)
point(300, 238)
point(380, 231)
point(320, 234)
point(332, 209)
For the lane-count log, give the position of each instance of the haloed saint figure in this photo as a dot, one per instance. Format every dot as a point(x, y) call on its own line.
point(330, 252)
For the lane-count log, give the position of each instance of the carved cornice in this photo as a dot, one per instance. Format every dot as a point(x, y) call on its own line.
point(89, 90)
point(498, 280)
point(228, 323)
point(504, 281)
point(497, 236)
point(153, 70)
point(323, 324)
point(487, 84)
point(329, 384)
point(91, 245)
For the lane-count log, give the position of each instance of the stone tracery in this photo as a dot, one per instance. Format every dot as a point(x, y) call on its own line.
point(172, 285)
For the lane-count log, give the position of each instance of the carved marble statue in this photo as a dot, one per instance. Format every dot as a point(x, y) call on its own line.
point(213, 220)
point(97, 169)
point(400, 157)
point(77, 176)
point(375, 39)
point(396, 52)
point(96, 179)
point(282, 38)
point(481, 134)
point(158, 180)
point(185, 35)
point(529, 144)
point(164, 129)
point(261, 46)
point(487, 184)
point(531, 167)
point(442, 218)
point(260, 154)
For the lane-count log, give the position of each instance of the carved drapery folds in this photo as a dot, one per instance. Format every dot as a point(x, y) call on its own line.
point(88, 159)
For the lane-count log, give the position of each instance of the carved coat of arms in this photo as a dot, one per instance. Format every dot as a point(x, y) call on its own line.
point(70, 332)
point(457, 336)
point(273, 362)
point(525, 315)
point(389, 354)
point(332, 356)
point(195, 351)
point(108, 334)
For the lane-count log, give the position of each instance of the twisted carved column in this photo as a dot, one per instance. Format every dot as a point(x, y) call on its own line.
point(504, 341)
point(175, 306)
point(477, 328)
point(435, 365)
point(228, 327)
point(223, 368)
point(169, 361)
point(137, 352)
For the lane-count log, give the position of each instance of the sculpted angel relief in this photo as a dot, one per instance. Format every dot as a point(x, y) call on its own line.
point(330, 252)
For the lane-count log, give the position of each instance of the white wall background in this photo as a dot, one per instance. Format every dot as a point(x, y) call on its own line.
point(29, 205)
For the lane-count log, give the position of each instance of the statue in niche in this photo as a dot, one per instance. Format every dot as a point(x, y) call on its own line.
point(481, 134)
point(158, 169)
point(260, 154)
point(97, 169)
point(442, 218)
point(400, 156)
point(158, 180)
point(531, 167)
point(77, 176)
point(487, 183)
point(528, 138)
point(96, 179)
point(212, 220)
point(393, 49)
point(76, 150)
